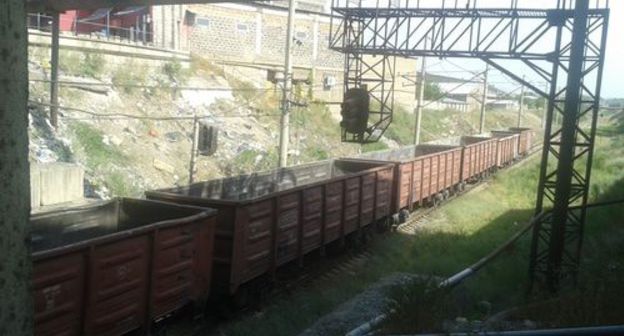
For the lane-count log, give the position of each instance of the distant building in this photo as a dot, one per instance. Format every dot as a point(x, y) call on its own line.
point(503, 104)
point(470, 92)
point(129, 23)
point(254, 36)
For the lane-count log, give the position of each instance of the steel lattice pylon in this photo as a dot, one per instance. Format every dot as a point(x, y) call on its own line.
point(564, 45)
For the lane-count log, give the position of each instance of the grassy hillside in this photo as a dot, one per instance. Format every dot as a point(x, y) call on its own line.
point(448, 123)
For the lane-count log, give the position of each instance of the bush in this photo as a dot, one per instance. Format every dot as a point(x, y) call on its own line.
point(97, 153)
point(129, 73)
point(92, 65)
point(316, 153)
point(401, 129)
point(69, 62)
point(174, 71)
point(82, 64)
point(373, 147)
point(244, 91)
point(419, 307)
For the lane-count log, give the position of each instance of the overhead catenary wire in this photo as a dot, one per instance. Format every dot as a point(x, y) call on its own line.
point(125, 116)
point(163, 87)
point(446, 94)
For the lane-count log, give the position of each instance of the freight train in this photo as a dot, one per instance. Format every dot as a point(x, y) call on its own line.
point(118, 266)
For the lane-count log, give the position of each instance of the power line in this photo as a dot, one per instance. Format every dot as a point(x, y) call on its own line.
point(446, 94)
point(187, 88)
point(132, 85)
point(125, 116)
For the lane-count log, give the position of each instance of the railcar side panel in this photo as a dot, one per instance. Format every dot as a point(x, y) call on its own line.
point(352, 205)
point(58, 292)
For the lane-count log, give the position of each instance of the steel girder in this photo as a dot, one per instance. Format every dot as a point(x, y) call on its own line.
point(563, 46)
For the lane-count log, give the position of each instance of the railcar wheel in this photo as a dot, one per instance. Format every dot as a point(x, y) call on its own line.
point(396, 219)
point(368, 234)
point(403, 216)
point(158, 329)
point(437, 200)
point(242, 297)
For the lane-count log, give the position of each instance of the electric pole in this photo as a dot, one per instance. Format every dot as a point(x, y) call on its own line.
point(484, 98)
point(54, 65)
point(420, 95)
point(284, 123)
point(194, 149)
point(520, 110)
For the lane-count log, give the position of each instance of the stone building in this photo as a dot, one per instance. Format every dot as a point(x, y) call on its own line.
point(252, 36)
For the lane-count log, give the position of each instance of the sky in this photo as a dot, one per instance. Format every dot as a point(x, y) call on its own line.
point(613, 78)
point(613, 83)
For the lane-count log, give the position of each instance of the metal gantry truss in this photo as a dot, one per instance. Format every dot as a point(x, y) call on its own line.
point(376, 74)
point(563, 45)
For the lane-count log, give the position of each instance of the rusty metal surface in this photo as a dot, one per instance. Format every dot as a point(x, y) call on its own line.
point(420, 172)
point(507, 147)
point(312, 219)
point(182, 265)
point(479, 156)
point(271, 218)
point(255, 186)
point(526, 139)
point(117, 287)
point(383, 199)
point(351, 205)
point(367, 200)
point(104, 269)
point(58, 292)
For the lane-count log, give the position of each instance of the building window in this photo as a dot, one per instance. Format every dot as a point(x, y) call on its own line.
point(202, 22)
point(242, 27)
point(189, 18)
point(300, 35)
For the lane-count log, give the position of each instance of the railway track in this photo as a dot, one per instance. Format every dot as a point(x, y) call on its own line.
point(333, 266)
point(348, 259)
point(420, 216)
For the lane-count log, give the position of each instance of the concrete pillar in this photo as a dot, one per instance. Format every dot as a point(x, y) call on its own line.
point(61, 183)
point(163, 24)
point(16, 299)
point(35, 186)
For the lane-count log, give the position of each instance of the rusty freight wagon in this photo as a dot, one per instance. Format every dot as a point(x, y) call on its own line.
point(421, 173)
point(268, 219)
point(526, 139)
point(506, 147)
point(113, 267)
point(479, 156)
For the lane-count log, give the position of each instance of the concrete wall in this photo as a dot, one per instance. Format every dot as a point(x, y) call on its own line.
point(55, 183)
point(248, 36)
point(168, 27)
point(117, 51)
point(255, 34)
